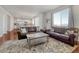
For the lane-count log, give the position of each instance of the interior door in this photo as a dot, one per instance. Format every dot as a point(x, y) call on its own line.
point(7, 27)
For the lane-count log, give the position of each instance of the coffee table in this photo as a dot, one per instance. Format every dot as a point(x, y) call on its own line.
point(36, 38)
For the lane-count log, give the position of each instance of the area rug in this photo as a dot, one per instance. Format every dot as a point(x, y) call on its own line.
point(21, 46)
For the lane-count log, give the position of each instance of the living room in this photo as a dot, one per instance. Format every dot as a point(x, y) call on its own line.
point(39, 28)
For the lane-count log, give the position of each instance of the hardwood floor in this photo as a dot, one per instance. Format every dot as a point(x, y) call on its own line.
point(8, 36)
point(76, 50)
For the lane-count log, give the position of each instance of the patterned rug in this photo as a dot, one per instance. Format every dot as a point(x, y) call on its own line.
point(21, 46)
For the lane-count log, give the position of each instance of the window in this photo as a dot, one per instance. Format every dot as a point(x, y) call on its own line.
point(36, 21)
point(61, 18)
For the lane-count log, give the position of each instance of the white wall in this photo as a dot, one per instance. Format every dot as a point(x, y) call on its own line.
point(5, 22)
point(41, 21)
point(76, 16)
point(1, 24)
point(47, 20)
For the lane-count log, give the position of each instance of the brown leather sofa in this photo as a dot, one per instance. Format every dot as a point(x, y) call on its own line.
point(61, 37)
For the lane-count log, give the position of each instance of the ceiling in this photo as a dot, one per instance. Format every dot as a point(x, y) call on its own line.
point(28, 11)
